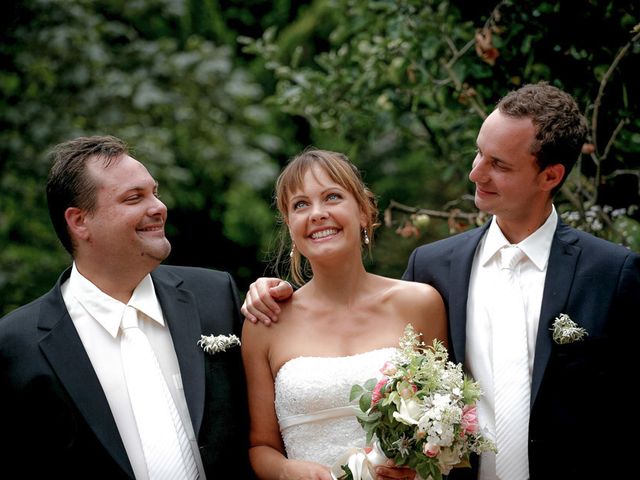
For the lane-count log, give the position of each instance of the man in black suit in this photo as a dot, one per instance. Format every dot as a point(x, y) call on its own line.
point(65, 407)
point(577, 390)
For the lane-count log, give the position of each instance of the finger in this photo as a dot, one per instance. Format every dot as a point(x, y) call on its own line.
point(257, 315)
point(262, 301)
point(282, 291)
point(249, 317)
point(387, 473)
point(255, 303)
point(245, 313)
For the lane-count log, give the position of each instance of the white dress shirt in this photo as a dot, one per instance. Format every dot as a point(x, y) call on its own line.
point(531, 273)
point(97, 317)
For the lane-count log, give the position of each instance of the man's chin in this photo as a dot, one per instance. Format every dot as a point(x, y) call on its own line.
point(483, 205)
point(159, 254)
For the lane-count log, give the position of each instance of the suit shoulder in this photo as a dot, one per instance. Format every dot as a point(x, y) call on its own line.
point(193, 273)
point(592, 244)
point(448, 243)
point(22, 318)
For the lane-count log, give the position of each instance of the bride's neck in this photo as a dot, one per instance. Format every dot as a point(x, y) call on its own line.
point(338, 285)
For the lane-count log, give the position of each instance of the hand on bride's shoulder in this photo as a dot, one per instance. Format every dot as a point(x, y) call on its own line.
point(303, 470)
point(261, 302)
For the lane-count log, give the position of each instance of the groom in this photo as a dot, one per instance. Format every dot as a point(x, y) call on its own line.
point(578, 392)
point(67, 405)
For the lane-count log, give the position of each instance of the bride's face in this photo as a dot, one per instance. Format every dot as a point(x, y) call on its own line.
point(324, 218)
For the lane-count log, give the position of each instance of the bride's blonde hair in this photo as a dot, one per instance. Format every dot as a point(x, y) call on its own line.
point(341, 171)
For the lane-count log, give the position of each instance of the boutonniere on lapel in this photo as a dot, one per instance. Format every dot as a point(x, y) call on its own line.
point(566, 330)
point(218, 343)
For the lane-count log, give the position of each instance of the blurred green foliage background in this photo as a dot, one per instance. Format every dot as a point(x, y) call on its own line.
point(215, 95)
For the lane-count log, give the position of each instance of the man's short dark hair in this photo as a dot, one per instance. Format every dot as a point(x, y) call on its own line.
point(560, 127)
point(69, 184)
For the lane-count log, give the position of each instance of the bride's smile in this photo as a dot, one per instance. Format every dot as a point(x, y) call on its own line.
point(323, 217)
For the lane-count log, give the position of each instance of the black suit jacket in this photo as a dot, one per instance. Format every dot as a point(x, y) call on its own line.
point(55, 421)
point(580, 390)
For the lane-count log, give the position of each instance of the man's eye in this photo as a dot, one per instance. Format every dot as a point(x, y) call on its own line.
point(500, 166)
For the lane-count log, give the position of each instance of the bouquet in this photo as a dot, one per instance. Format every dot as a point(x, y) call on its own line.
point(422, 413)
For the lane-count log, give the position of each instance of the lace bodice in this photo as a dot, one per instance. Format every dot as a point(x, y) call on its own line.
point(312, 403)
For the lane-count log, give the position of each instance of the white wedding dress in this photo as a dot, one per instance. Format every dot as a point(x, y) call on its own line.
point(317, 422)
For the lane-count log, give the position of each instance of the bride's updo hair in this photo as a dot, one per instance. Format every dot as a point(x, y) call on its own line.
point(341, 171)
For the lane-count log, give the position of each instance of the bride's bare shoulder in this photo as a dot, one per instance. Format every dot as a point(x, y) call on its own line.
point(419, 304)
point(404, 290)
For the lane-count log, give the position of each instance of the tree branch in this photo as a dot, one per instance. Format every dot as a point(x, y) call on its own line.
point(457, 214)
point(615, 133)
point(596, 106)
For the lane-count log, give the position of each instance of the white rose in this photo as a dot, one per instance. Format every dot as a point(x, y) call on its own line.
point(409, 412)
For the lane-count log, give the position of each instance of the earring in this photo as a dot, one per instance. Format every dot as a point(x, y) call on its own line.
point(293, 249)
point(366, 237)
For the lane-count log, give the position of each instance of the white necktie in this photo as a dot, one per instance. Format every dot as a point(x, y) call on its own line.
point(164, 442)
point(512, 386)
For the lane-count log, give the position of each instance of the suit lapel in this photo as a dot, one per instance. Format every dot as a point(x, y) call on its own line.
point(563, 259)
point(181, 314)
point(461, 264)
point(61, 345)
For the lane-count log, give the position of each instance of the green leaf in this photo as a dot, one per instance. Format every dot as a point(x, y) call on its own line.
point(370, 384)
point(356, 391)
point(365, 401)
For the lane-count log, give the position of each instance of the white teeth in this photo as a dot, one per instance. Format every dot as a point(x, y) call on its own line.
point(324, 233)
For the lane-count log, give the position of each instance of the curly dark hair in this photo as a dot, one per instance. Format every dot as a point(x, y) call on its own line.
point(560, 127)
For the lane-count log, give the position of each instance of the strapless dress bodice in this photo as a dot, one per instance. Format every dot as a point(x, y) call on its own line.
point(317, 421)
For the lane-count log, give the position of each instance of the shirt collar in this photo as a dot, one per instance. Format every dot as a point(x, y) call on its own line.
point(106, 310)
point(536, 246)
point(144, 299)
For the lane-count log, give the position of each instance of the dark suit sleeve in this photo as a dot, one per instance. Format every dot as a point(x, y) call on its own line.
point(624, 319)
point(629, 286)
point(409, 273)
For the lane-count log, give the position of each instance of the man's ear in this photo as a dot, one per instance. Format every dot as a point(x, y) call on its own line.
point(552, 175)
point(76, 223)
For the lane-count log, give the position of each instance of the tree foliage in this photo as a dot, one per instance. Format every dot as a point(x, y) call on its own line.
point(402, 86)
point(191, 113)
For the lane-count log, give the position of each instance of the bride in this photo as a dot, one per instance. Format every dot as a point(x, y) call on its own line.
point(337, 330)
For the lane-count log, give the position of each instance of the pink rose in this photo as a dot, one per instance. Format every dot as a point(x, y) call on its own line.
point(407, 389)
point(388, 369)
point(469, 422)
point(377, 395)
point(431, 450)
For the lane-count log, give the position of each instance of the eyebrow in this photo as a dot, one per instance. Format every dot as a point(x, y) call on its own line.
point(138, 188)
point(322, 192)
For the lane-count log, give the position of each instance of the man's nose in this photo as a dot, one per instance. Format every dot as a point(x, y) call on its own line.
point(157, 207)
point(478, 170)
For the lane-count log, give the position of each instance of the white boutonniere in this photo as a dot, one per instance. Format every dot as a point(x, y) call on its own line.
point(566, 330)
point(218, 343)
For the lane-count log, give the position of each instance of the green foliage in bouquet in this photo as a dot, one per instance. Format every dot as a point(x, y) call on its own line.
point(422, 412)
